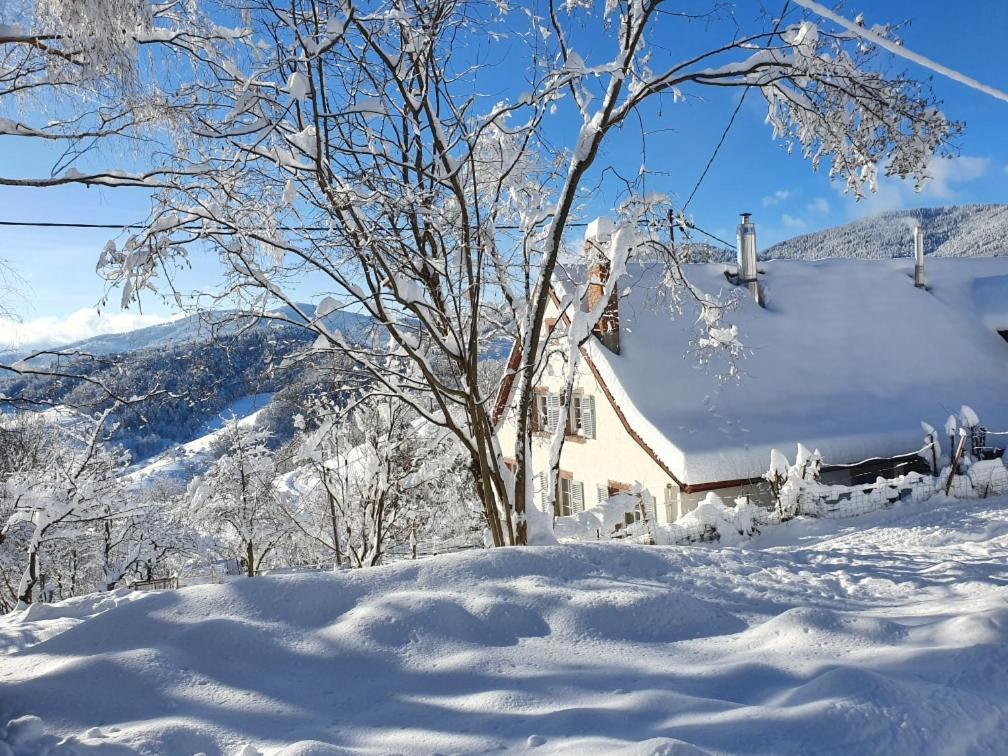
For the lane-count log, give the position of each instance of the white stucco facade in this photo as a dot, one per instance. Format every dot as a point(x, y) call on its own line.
point(611, 460)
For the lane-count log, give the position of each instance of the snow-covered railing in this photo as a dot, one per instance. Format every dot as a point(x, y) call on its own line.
point(428, 548)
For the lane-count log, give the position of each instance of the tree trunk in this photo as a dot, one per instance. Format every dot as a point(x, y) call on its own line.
point(30, 577)
point(488, 485)
point(249, 560)
point(335, 524)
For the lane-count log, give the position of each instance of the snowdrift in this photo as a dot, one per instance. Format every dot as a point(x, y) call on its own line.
point(887, 635)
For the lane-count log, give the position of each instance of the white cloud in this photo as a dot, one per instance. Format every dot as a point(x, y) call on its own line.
point(776, 198)
point(956, 170)
point(946, 175)
point(819, 205)
point(791, 221)
point(50, 331)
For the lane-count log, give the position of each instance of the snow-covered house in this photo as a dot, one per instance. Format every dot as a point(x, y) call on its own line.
point(844, 356)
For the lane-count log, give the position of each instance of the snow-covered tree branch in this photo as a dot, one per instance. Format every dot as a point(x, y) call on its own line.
point(351, 146)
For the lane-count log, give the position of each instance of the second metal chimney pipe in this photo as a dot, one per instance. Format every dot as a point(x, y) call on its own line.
point(747, 272)
point(919, 257)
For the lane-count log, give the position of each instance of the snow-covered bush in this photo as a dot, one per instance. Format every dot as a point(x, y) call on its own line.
point(787, 481)
point(713, 520)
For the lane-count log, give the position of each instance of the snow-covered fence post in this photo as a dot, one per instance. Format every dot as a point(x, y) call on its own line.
point(951, 429)
point(969, 419)
point(954, 467)
point(933, 446)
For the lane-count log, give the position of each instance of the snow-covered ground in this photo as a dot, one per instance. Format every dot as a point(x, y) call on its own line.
point(881, 634)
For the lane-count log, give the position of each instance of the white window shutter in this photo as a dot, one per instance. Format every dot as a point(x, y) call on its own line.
point(602, 494)
point(540, 483)
point(588, 416)
point(552, 411)
point(577, 497)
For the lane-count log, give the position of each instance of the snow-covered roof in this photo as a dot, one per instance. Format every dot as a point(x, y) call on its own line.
point(847, 357)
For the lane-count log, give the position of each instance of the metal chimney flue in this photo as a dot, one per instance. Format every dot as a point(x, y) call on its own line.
point(918, 258)
point(747, 273)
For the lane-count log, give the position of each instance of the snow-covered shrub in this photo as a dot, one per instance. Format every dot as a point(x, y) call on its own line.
point(777, 475)
point(808, 464)
point(713, 520)
point(787, 481)
point(989, 477)
point(605, 520)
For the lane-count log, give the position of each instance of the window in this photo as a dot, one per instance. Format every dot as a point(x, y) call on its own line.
point(546, 409)
point(545, 412)
point(570, 494)
point(539, 412)
point(582, 416)
point(564, 503)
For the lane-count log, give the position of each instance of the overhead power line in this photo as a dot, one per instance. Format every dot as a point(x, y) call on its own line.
point(731, 121)
point(717, 149)
point(140, 226)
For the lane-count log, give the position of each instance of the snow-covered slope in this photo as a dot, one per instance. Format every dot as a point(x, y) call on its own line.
point(186, 460)
point(958, 231)
point(886, 635)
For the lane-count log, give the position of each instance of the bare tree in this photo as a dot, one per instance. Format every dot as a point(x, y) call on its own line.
point(380, 476)
point(236, 502)
point(76, 485)
point(351, 145)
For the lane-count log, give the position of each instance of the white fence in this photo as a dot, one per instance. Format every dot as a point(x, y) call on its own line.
point(430, 548)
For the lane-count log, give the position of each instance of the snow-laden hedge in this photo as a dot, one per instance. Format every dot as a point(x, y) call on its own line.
point(713, 520)
point(798, 491)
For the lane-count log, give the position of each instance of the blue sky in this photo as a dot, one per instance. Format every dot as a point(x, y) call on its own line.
point(752, 172)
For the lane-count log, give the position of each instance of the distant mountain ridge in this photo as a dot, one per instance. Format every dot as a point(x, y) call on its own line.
point(200, 327)
point(958, 231)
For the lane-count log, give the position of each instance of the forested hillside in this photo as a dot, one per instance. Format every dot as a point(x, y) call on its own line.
point(961, 231)
point(189, 382)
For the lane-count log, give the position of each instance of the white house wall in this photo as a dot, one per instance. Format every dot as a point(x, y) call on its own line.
point(613, 455)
